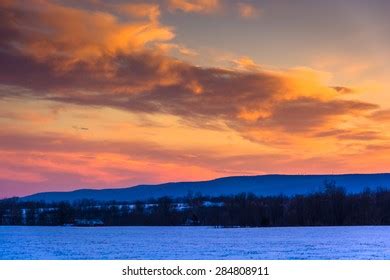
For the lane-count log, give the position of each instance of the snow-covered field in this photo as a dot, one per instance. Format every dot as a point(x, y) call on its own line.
point(194, 243)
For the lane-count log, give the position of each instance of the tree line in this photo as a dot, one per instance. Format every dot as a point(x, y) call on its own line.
point(330, 207)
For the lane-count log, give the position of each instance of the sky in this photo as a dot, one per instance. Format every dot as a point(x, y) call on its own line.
point(97, 94)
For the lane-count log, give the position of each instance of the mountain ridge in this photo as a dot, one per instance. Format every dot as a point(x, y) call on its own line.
point(261, 185)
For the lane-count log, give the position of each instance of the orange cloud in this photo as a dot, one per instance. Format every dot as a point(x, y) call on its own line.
point(169, 48)
point(343, 134)
point(116, 68)
point(20, 176)
point(246, 64)
point(42, 162)
point(61, 33)
point(248, 11)
point(381, 115)
point(294, 101)
point(194, 6)
point(28, 116)
point(39, 158)
point(140, 10)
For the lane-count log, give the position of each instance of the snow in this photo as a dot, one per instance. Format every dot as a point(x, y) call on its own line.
point(194, 243)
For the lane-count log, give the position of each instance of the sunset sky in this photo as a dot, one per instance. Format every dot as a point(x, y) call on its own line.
point(97, 94)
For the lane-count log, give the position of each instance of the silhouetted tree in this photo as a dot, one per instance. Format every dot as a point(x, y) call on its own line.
point(331, 206)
